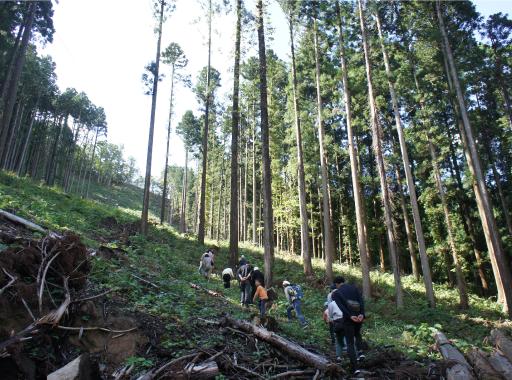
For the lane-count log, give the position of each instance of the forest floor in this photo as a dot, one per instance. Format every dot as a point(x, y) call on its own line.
point(152, 315)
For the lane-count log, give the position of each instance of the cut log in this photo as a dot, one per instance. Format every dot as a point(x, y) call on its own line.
point(503, 343)
point(206, 371)
point(210, 292)
point(461, 369)
point(290, 348)
point(501, 365)
point(17, 220)
point(481, 365)
point(146, 376)
point(78, 369)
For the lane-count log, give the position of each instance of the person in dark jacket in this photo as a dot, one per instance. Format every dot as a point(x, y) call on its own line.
point(244, 276)
point(352, 321)
point(256, 275)
point(242, 261)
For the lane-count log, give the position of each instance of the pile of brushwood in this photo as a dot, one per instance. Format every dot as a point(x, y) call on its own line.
point(62, 324)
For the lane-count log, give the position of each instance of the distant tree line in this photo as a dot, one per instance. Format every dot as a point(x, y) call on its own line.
point(47, 134)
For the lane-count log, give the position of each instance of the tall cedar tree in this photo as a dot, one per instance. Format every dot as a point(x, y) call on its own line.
point(268, 217)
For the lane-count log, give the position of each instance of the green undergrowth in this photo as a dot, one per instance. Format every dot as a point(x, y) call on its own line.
point(170, 261)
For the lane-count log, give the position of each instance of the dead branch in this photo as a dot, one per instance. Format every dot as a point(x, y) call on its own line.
point(210, 292)
point(28, 309)
point(146, 281)
point(91, 298)
point(208, 322)
point(295, 373)
point(172, 362)
point(42, 283)
point(13, 279)
point(16, 219)
point(97, 328)
point(243, 368)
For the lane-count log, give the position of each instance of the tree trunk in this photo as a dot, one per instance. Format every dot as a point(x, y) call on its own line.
point(202, 207)
point(500, 189)
point(58, 126)
point(305, 246)
point(410, 183)
point(29, 133)
point(326, 204)
point(183, 222)
point(13, 88)
point(92, 164)
point(254, 201)
point(377, 146)
point(164, 193)
point(244, 237)
point(147, 182)
point(361, 223)
point(221, 187)
point(12, 133)
point(414, 262)
point(8, 71)
point(82, 164)
point(265, 136)
point(496, 252)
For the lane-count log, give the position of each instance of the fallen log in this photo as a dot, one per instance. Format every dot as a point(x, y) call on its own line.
point(17, 220)
point(290, 348)
point(459, 371)
point(503, 343)
point(501, 364)
point(210, 292)
point(78, 369)
point(481, 365)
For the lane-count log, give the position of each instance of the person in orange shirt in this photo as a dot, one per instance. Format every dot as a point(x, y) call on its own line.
point(260, 291)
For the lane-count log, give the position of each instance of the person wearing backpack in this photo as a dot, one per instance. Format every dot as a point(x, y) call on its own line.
point(294, 296)
point(207, 264)
point(201, 262)
point(351, 304)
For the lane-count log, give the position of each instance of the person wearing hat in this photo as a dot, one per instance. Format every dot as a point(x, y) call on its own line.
point(329, 296)
point(242, 261)
point(256, 275)
point(295, 301)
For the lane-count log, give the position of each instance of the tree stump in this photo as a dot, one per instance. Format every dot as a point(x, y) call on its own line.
point(461, 370)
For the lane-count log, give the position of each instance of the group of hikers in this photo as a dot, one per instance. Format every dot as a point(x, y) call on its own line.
point(344, 309)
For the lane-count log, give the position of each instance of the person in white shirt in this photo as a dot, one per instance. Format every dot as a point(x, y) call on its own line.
point(227, 276)
point(334, 314)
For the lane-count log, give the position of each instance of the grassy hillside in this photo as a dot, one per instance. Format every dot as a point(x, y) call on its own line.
point(170, 261)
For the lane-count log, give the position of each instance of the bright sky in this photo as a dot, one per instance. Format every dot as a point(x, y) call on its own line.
point(102, 46)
